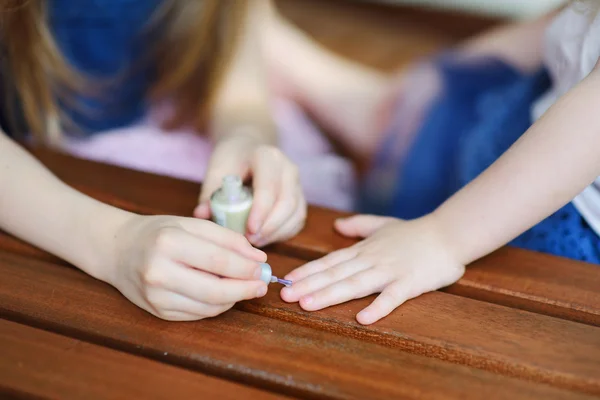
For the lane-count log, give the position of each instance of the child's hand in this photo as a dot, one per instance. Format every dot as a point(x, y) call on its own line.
point(185, 269)
point(400, 259)
point(279, 209)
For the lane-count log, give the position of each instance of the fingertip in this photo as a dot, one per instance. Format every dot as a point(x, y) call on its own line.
point(289, 277)
point(341, 224)
point(366, 317)
point(262, 290)
point(202, 211)
point(254, 239)
point(255, 220)
point(286, 295)
point(307, 303)
point(261, 256)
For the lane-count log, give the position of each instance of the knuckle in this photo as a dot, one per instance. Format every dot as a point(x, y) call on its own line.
point(153, 277)
point(215, 295)
point(390, 297)
point(334, 274)
point(240, 242)
point(354, 281)
point(156, 300)
point(218, 260)
point(270, 152)
point(165, 239)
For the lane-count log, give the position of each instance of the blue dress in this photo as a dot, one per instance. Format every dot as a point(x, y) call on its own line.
point(104, 39)
point(482, 109)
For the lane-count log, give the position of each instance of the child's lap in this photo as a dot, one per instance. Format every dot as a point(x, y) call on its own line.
point(480, 112)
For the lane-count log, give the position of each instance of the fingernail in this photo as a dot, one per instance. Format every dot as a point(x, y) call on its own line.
point(257, 273)
point(287, 290)
point(262, 291)
point(307, 300)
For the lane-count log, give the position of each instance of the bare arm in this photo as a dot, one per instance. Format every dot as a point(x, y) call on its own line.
point(520, 44)
point(551, 163)
point(243, 101)
point(37, 207)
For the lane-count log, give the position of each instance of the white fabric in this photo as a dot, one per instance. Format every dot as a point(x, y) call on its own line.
point(572, 48)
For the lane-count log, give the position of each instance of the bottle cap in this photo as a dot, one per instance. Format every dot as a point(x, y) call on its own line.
point(232, 185)
point(266, 274)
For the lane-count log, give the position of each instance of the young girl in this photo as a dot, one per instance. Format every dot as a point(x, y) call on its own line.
point(460, 163)
point(96, 65)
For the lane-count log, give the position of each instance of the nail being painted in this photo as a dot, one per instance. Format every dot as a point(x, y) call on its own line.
point(268, 277)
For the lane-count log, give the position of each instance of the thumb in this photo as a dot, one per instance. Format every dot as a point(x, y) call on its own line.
point(218, 168)
point(360, 225)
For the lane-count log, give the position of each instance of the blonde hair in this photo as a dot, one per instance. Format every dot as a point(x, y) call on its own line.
point(195, 41)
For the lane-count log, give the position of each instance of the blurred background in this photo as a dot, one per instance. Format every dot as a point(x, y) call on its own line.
point(386, 34)
point(505, 8)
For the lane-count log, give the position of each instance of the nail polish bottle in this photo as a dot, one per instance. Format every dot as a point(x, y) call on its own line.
point(268, 277)
point(230, 205)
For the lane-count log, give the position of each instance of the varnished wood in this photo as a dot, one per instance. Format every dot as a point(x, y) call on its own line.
point(530, 281)
point(268, 353)
point(43, 365)
point(470, 342)
point(462, 330)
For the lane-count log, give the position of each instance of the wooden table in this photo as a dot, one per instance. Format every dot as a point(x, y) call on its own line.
point(518, 325)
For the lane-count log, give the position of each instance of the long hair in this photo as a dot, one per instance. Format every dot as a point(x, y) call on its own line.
point(195, 40)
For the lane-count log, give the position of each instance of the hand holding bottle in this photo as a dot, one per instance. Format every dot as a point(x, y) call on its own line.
point(278, 209)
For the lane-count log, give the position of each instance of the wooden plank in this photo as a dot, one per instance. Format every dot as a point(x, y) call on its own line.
point(457, 329)
point(251, 349)
point(536, 282)
point(11, 244)
point(529, 281)
point(44, 365)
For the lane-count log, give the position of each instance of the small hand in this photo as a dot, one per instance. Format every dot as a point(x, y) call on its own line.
point(185, 269)
point(279, 208)
point(399, 259)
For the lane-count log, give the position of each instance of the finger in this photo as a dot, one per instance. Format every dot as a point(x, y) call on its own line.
point(201, 286)
point(170, 303)
point(289, 225)
point(175, 316)
point(220, 166)
point(294, 225)
point(266, 183)
point(185, 248)
point(202, 211)
point(355, 286)
point(392, 297)
point(360, 225)
point(223, 237)
point(288, 199)
point(313, 267)
point(323, 279)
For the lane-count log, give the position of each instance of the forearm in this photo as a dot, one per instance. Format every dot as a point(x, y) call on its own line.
point(243, 103)
point(551, 163)
point(38, 208)
point(519, 44)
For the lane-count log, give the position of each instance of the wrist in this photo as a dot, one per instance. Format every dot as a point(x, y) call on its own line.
point(103, 233)
point(446, 238)
point(249, 134)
